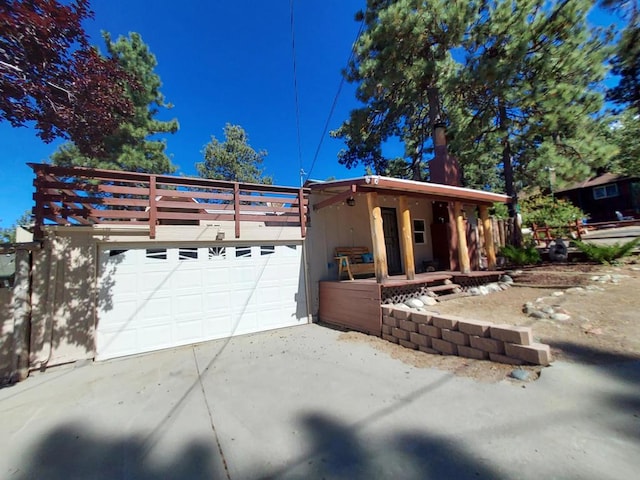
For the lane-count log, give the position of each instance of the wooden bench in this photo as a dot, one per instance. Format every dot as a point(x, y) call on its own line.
point(350, 260)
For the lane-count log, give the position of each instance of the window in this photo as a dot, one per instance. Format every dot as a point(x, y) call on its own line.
point(187, 253)
point(217, 253)
point(115, 253)
point(267, 249)
point(244, 252)
point(605, 191)
point(157, 253)
point(418, 231)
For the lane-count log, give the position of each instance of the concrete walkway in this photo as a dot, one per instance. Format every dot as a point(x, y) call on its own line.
point(300, 403)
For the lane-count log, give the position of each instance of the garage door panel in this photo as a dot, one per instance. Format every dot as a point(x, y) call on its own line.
point(154, 297)
point(189, 330)
point(154, 336)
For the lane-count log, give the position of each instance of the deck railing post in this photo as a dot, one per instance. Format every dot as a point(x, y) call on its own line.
point(236, 206)
point(302, 213)
point(153, 209)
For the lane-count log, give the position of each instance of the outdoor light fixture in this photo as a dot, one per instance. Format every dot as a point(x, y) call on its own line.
point(351, 201)
point(220, 236)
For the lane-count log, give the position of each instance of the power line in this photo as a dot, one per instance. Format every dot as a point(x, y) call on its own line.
point(335, 101)
point(295, 82)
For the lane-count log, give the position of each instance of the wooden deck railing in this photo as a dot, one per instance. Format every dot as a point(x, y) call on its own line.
point(84, 196)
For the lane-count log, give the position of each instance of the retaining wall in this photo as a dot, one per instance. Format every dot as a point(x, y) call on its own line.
point(451, 335)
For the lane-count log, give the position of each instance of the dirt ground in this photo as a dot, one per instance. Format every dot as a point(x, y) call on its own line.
point(604, 323)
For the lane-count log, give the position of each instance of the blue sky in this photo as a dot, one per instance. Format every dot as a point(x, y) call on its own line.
point(225, 62)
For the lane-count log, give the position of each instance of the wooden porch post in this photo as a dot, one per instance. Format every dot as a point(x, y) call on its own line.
point(377, 237)
point(463, 252)
point(406, 238)
point(488, 237)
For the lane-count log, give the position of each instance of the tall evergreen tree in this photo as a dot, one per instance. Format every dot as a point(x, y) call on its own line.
point(130, 146)
point(234, 159)
point(402, 60)
point(513, 79)
point(527, 91)
point(626, 61)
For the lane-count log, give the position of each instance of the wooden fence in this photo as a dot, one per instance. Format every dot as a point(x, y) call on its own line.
point(83, 196)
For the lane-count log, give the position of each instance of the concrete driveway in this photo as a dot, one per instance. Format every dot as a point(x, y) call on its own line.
point(300, 403)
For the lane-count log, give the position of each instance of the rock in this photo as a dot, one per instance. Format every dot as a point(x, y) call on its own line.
point(574, 290)
point(548, 310)
point(560, 317)
point(604, 278)
point(475, 291)
point(538, 314)
point(561, 310)
point(483, 290)
point(520, 374)
point(558, 251)
point(506, 279)
point(557, 294)
point(402, 306)
point(427, 301)
point(594, 288)
point(493, 287)
point(595, 278)
point(447, 282)
point(503, 286)
point(414, 303)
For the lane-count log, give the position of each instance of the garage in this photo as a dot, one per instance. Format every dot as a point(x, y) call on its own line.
point(153, 297)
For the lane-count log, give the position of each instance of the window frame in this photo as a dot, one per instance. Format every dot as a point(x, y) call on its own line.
point(419, 234)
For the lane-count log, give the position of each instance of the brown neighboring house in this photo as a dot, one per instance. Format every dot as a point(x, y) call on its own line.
point(602, 196)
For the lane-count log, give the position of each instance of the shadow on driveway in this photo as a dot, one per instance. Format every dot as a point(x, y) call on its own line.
point(71, 452)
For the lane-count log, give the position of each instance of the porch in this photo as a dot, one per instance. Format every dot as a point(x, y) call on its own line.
point(356, 304)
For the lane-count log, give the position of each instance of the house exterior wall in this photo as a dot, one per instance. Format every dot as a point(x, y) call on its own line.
point(6, 335)
point(63, 299)
point(603, 209)
point(340, 225)
point(64, 279)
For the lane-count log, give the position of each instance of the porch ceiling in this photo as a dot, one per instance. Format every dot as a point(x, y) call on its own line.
point(395, 186)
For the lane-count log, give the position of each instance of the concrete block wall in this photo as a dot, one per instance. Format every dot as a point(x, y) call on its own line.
point(451, 335)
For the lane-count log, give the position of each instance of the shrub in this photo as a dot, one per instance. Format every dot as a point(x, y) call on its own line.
point(521, 255)
point(606, 254)
point(544, 210)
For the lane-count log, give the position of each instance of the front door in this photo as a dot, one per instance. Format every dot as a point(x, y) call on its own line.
point(391, 240)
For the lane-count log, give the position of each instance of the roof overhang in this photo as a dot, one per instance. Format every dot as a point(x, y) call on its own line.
point(395, 186)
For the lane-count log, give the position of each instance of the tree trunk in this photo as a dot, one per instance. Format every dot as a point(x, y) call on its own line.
point(516, 238)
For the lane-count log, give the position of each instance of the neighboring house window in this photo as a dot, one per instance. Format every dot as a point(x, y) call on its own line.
point(187, 253)
point(114, 253)
point(605, 191)
point(243, 252)
point(418, 231)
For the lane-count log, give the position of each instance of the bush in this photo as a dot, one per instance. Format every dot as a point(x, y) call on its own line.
point(544, 210)
point(521, 255)
point(606, 254)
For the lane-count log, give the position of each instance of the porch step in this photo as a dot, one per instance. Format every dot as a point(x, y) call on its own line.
point(452, 296)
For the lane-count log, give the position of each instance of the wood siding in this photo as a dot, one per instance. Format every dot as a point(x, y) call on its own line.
point(354, 305)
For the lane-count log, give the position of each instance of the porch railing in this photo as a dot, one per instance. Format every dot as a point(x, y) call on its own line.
point(85, 196)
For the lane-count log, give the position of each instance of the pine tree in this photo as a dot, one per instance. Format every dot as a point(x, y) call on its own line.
point(129, 147)
point(234, 159)
point(402, 60)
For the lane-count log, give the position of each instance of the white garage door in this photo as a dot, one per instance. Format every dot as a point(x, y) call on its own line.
point(156, 297)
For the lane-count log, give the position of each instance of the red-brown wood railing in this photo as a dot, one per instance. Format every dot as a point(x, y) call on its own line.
point(85, 196)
